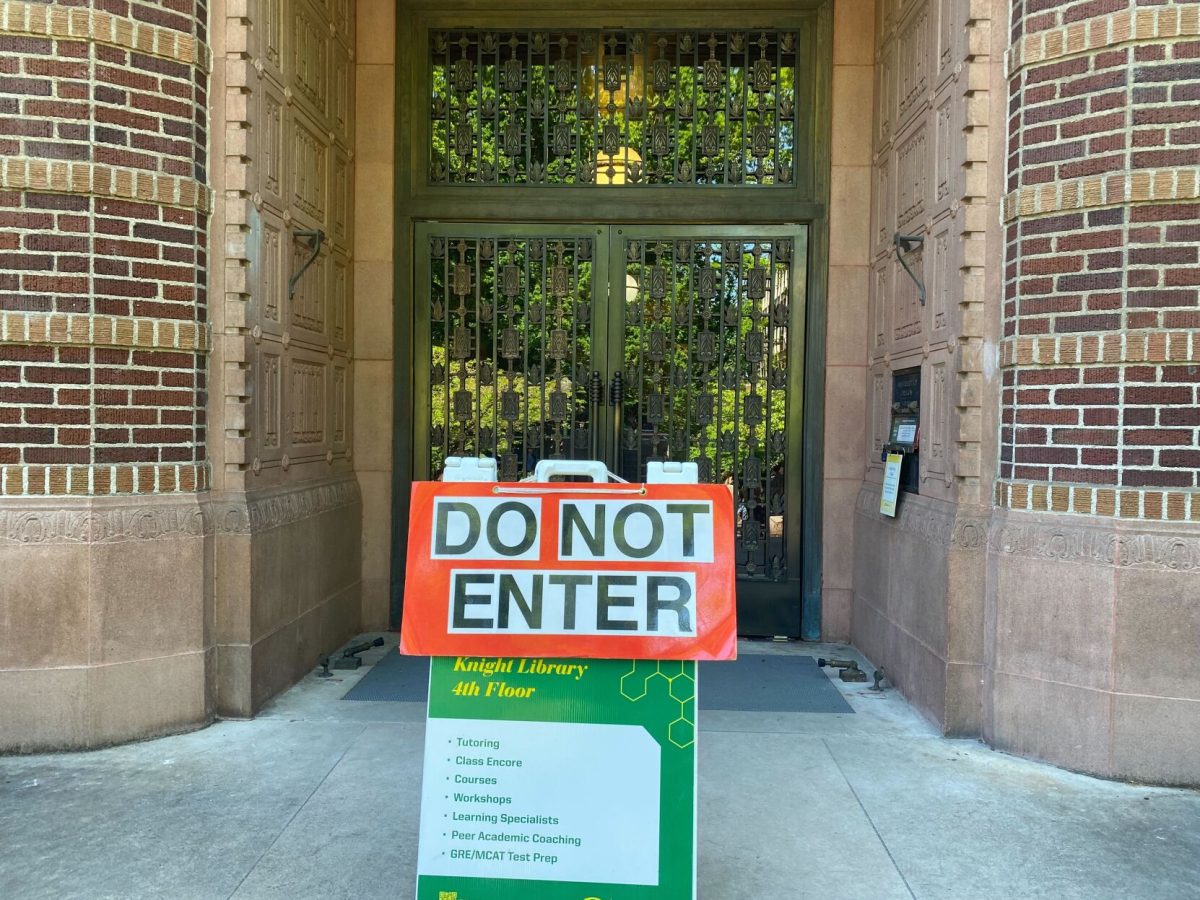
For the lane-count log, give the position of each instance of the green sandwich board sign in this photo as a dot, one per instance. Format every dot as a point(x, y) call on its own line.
point(559, 780)
point(548, 777)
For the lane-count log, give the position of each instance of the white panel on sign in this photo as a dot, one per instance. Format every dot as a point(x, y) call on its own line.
point(668, 472)
point(644, 530)
point(485, 528)
point(468, 468)
point(545, 801)
point(521, 601)
point(549, 469)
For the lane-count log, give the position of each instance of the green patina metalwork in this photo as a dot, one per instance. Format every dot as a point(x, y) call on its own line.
point(613, 107)
point(547, 383)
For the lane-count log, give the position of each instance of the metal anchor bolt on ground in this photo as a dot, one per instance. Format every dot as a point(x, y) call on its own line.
point(350, 660)
point(850, 672)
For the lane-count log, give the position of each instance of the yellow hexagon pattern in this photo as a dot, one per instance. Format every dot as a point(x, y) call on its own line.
point(680, 687)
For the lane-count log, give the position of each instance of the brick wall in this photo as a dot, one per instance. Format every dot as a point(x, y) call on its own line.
point(1101, 307)
point(103, 254)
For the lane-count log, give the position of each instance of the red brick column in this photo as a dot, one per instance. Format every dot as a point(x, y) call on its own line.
point(1101, 308)
point(103, 252)
point(1094, 549)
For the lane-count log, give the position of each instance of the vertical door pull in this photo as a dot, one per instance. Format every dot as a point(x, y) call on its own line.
point(596, 389)
point(616, 389)
point(596, 397)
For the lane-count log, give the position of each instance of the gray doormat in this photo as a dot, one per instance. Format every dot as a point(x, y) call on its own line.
point(403, 679)
point(752, 683)
point(769, 683)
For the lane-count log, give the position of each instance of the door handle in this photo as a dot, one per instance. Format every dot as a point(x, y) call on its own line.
point(616, 389)
point(616, 398)
point(596, 399)
point(596, 389)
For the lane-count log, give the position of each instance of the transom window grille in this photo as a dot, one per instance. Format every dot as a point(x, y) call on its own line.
point(633, 108)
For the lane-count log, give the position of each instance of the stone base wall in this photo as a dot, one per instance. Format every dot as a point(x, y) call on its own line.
point(129, 620)
point(1093, 630)
point(107, 621)
point(1067, 639)
point(288, 584)
point(918, 583)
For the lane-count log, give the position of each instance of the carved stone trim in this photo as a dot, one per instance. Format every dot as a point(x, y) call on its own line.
point(1019, 534)
point(29, 522)
point(69, 520)
point(282, 506)
point(53, 21)
point(918, 517)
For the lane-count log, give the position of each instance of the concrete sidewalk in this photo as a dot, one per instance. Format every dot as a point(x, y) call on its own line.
point(318, 798)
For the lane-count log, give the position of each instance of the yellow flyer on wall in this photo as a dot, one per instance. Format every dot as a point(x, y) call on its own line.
point(891, 484)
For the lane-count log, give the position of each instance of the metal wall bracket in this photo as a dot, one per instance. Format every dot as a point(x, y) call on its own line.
point(904, 243)
point(315, 238)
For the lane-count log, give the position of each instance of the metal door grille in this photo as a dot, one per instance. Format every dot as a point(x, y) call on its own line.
point(605, 107)
point(626, 344)
point(510, 349)
point(706, 335)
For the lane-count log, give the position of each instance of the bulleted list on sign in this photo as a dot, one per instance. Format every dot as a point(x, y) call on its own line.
point(540, 800)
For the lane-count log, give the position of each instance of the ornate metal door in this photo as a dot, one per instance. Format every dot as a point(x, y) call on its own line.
point(626, 344)
point(507, 344)
point(709, 357)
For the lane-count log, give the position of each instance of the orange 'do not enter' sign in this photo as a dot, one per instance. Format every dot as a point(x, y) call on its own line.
point(616, 571)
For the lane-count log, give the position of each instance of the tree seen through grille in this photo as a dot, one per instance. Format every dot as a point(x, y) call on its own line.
point(598, 107)
point(624, 349)
point(511, 328)
point(705, 348)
